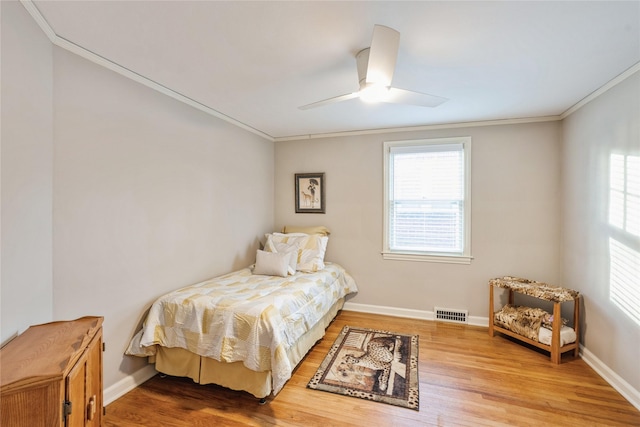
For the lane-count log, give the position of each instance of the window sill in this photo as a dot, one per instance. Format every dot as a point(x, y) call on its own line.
point(447, 259)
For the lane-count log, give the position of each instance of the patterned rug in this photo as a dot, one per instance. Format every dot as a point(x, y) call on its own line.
point(372, 364)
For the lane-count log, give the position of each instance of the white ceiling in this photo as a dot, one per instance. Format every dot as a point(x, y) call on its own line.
point(256, 62)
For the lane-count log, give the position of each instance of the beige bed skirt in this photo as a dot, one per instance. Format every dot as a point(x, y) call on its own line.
point(203, 370)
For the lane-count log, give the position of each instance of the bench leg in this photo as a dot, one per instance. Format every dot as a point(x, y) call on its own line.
point(491, 310)
point(576, 325)
point(555, 334)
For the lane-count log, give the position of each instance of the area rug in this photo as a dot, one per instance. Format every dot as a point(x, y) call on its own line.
point(372, 364)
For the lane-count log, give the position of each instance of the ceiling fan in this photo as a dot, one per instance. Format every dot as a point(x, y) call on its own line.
point(376, 65)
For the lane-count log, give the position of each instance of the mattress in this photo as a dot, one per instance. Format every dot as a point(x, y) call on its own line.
point(567, 336)
point(204, 370)
point(241, 317)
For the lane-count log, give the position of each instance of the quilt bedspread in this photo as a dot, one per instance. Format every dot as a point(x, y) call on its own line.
point(243, 317)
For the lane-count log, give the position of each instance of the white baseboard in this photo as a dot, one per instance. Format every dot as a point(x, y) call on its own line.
point(388, 311)
point(625, 389)
point(128, 383)
point(617, 382)
point(407, 312)
point(614, 380)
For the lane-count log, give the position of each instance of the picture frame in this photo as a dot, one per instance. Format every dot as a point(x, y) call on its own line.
point(310, 193)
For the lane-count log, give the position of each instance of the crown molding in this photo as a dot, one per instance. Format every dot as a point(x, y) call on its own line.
point(595, 94)
point(104, 62)
point(37, 16)
point(97, 59)
point(452, 125)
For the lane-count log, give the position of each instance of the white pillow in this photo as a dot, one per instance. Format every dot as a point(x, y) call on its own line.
point(272, 263)
point(284, 248)
point(311, 253)
point(310, 248)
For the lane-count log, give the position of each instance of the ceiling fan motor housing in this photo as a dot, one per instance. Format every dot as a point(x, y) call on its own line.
point(376, 65)
point(362, 62)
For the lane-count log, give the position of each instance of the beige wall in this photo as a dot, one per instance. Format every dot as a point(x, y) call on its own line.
point(123, 192)
point(515, 213)
point(149, 195)
point(27, 115)
point(607, 125)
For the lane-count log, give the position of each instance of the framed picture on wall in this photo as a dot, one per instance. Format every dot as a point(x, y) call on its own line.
point(310, 193)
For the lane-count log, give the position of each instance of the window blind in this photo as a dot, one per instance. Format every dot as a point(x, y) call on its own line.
point(426, 198)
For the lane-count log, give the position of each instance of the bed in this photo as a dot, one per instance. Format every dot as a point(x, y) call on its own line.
point(247, 330)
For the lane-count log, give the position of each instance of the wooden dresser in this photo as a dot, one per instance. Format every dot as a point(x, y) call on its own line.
point(51, 375)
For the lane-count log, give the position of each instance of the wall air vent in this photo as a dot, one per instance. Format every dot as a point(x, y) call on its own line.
point(451, 315)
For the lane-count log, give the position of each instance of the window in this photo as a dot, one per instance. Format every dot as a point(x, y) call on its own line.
point(624, 194)
point(624, 240)
point(427, 200)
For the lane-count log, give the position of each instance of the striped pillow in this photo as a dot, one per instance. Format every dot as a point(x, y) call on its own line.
point(310, 248)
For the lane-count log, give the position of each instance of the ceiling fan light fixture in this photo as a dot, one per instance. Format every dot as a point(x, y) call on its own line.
point(375, 93)
point(376, 65)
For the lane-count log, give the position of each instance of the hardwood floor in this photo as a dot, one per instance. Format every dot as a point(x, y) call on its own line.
point(466, 379)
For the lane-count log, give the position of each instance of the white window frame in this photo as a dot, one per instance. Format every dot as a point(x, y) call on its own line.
point(465, 256)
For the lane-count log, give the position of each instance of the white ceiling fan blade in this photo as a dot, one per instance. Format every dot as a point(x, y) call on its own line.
point(382, 55)
point(330, 101)
point(401, 96)
point(376, 66)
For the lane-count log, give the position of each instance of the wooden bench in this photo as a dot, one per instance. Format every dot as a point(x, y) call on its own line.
point(543, 291)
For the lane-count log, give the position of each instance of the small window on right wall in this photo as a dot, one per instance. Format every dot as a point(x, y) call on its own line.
point(427, 200)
